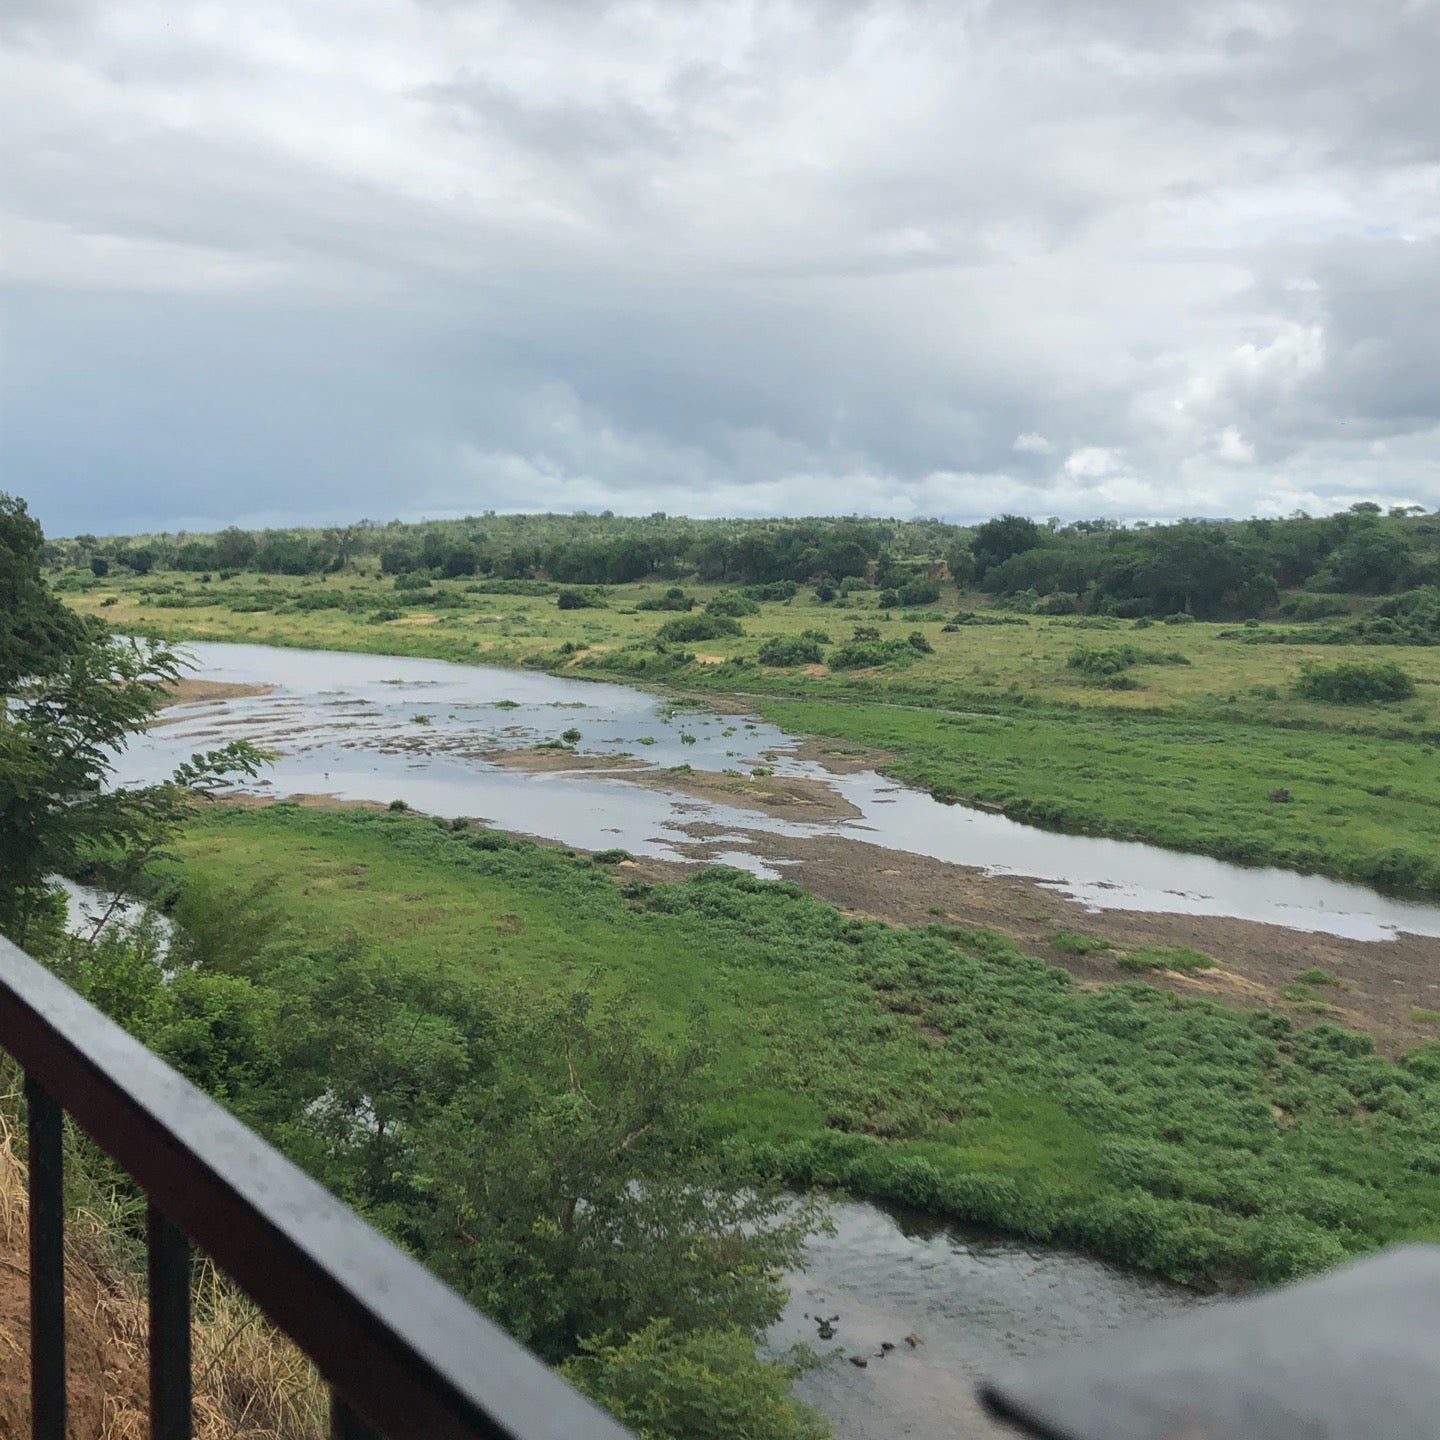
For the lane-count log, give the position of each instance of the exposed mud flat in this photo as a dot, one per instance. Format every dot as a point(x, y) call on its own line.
point(792, 797)
point(189, 690)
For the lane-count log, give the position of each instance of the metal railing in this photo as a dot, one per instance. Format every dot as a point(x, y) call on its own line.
point(403, 1355)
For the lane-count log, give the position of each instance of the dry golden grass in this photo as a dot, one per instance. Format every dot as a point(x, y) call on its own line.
point(250, 1381)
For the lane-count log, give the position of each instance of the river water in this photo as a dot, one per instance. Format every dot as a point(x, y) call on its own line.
point(368, 727)
point(975, 1304)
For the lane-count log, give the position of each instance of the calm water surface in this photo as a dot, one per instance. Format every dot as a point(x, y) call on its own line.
point(977, 1305)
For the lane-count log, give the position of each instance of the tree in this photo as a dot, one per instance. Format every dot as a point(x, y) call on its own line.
point(70, 696)
point(36, 630)
point(997, 540)
point(572, 1200)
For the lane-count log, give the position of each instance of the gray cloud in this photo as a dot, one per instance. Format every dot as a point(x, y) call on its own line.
point(1075, 258)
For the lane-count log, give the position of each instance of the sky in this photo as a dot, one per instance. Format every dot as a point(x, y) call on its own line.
point(301, 262)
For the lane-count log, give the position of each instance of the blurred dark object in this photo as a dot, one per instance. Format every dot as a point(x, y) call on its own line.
point(1352, 1355)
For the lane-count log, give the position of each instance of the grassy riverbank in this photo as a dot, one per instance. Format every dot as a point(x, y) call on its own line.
point(938, 1065)
point(1206, 748)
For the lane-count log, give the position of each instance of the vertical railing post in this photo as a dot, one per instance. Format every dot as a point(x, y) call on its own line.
point(47, 1264)
point(169, 1267)
point(345, 1424)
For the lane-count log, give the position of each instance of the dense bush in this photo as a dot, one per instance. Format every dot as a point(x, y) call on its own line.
point(686, 629)
point(774, 591)
point(1314, 607)
point(732, 603)
point(1355, 682)
point(578, 600)
point(864, 654)
point(791, 650)
point(673, 599)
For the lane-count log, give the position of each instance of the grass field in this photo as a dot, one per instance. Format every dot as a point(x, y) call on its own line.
point(1209, 751)
point(937, 1065)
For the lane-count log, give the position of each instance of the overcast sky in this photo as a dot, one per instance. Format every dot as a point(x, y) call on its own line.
point(306, 261)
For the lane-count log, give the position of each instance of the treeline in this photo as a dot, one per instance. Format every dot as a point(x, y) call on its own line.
point(573, 549)
point(1205, 569)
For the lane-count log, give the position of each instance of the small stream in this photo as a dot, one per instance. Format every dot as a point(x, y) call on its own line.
point(371, 727)
point(976, 1305)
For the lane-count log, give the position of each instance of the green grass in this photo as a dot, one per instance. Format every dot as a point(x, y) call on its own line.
point(1180, 958)
point(936, 1066)
point(1190, 759)
point(1075, 942)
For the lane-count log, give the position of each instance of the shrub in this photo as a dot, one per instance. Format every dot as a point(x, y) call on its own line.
point(686, 629)
point(775, 590)
point(1355, 682)
point(1165, 957)
point(733, 603)
point(789, 650)
point(673, 599)
point(919, 592)
point(412, 580)
point(1076, 942)
point(918, 643)
point(1314, 607)
point(578, 600)
point(1058, 603)
point(861, 654)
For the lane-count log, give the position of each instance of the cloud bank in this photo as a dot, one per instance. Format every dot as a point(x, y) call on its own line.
point(287, 262)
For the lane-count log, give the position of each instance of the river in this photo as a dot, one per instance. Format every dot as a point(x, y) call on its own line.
point(373, 727)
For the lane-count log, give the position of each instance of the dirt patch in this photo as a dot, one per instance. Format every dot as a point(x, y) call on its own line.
point(554, 759)
point(790, 797)
point(248, 800)
point(190, 691)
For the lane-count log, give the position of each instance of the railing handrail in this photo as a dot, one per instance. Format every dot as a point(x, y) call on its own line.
point(398, 1346)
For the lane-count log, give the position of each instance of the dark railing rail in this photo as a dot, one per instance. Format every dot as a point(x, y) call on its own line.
point(404, 1356)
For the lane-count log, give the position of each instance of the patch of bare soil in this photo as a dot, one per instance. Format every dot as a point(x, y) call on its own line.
point(248, 800)
point(1380, 982)
point(790, 797)
point(553, 759)
point(189, 691)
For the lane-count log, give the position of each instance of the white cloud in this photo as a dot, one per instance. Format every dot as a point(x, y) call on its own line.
point(716, 256)
point(1234, 448)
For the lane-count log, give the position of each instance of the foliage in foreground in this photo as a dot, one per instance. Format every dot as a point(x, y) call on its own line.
point(936, 1066)
point(540, 1154)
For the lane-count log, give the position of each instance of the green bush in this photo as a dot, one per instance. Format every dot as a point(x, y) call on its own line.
point(1314, 607)
point(789, 650)
point(1355, 682)
point(732, 603)
point(578, 600)
point(685, 629)
point(673, 599)
point(707, 1385)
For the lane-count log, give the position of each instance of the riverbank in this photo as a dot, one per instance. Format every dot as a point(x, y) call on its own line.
point(936, 1065)
point(1211, 756)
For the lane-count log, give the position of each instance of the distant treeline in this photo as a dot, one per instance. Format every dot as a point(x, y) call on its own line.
point(1206, 569)
point(573, 549)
